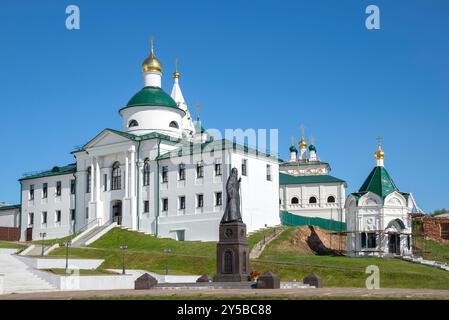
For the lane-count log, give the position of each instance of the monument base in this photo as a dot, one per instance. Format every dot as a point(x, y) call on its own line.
point(232, 253)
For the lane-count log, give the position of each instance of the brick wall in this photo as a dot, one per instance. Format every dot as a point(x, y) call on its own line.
point(435, 228)
point(9, 234)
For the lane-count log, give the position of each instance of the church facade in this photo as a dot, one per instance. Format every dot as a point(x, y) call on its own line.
point(307, 190)
point(162, 174)
point(378, 216)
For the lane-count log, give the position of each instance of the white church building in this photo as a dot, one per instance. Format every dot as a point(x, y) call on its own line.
point(161, 174)
point(308, 193)
point(378, 215)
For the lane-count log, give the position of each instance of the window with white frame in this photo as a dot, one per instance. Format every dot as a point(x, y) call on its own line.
point(200, 200)
point(45, 191)
point(146, 206)
point(146, 172)
point(182, 202)
point(200, 169)
point(164, 174)
point(31, 192)
point(44, 217)
point(58, 188)
point(244, 167)
point(30, 219)
point(181, 171)
point(218, 198)
point(116, 177)
point(268, 172)
point(165, 204)
point(58, 216)
point(218, 169)
point(88, 179)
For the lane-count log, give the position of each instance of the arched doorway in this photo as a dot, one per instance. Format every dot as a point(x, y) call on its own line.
point(394, 230)
point(117, 212)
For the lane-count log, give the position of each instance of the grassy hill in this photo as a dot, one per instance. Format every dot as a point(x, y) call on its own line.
point(281, 256)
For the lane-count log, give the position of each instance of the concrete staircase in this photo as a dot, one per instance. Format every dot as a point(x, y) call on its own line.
point(430, 263)
point(18, 278)
point(85, 238)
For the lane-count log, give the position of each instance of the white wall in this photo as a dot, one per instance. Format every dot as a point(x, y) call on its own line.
point(51, 204)
point(322, 209)
point(9, 218)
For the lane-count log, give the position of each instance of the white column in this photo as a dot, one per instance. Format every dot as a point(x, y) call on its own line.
point(98, 180)
point(92, 177)
point(126, 175)
point(133, 172)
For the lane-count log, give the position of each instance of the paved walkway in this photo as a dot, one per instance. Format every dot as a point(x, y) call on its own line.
point(287, 293)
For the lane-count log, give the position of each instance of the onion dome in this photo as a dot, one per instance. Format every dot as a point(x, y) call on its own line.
point(312, 148)
point(152, 63)
point(293, 149)
point(379, 154)
point(303, 144)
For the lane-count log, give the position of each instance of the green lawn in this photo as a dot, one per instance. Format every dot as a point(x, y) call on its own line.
point(50, 242)
point(146, 253)
point(11, 245)
point(430, 249)
point(258, 236)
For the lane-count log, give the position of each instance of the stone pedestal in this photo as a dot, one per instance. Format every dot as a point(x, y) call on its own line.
point(268, 281)
point(313, 280)
point(232, 253)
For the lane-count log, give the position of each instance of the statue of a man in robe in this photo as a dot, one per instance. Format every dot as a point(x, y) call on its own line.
point(232, 212)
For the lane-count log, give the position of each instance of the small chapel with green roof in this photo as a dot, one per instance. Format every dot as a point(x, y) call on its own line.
point(378, 215)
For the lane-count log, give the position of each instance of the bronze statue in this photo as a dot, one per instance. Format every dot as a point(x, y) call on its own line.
point(232, 212)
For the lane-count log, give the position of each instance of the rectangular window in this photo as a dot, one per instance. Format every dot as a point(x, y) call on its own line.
point(200, 200)
point(87, 213)
point(363, 240)
point(88, 180)
point(244, 167)
point(218, 169)
point(73, 214)
point(105, 182)
point(199, 169)
point(164, 174)
point(268, 172)
point(44, 217)
point(409, 242)
point(58, 216)
point(31, 219)
point(372, 240)
point(58, 189)
point(182, 171)
point(45, 190)
point(72, 186)
point(182, 203)
point(31, 195)
point(165, 204)
point(218, 198)
point(146, 206)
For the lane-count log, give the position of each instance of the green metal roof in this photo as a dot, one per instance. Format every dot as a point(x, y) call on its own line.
point(152, 96)
point(56, 171)
point(379, 182)
point(132, 137)
point(9, 207)
point(285, 179)
point(216, 145)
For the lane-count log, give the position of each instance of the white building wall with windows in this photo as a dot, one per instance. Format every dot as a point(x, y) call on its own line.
point(53, 203)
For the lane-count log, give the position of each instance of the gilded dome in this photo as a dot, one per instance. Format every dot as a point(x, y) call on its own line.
point(379, 154)
point(303, 144)
point(152, 63)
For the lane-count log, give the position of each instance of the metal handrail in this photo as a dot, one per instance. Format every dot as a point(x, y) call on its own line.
point(89, 224)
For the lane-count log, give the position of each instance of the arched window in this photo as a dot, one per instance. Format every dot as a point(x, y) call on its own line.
point(174, 124)
point(116, 181)
point(331, 199)
point(88, 179)
point(133, 123)
point(312, 200)
point(295, 200)
point(146, 172)
point(228, 262)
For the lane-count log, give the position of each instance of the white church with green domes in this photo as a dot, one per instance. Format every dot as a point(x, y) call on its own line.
point(378, 215)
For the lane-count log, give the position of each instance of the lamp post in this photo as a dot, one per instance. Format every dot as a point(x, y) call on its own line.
point(123, 247)
point(43, 235)
point(167, 266)
point(67, 244)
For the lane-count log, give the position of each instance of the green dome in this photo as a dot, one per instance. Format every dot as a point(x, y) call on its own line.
point(312, 148)
point(293, 149)
point(152, 96)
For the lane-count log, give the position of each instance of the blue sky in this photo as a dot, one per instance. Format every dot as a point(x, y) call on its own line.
point(251, 64)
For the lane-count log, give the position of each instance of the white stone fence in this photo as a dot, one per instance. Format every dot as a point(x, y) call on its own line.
point(59, 263)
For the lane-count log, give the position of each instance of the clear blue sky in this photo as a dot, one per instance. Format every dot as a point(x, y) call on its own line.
point(259, 64)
